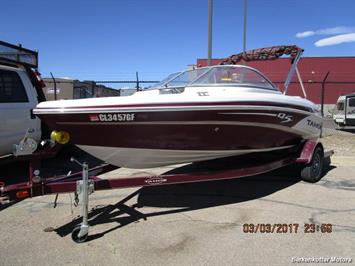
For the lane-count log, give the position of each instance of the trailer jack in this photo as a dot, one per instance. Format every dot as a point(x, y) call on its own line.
point(84, 187)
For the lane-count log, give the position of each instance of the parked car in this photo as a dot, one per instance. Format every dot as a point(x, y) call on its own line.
point(20, 92)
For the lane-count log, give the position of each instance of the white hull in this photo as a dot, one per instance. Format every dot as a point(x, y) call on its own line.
point(149, 158)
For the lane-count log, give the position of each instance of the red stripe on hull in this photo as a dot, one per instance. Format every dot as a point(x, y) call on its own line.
point(257, 116)
point(184, 104)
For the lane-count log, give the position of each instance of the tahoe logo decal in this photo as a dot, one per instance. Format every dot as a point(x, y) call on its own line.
point(314, 124)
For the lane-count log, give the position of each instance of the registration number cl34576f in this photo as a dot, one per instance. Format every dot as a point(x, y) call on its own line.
point(124, 117)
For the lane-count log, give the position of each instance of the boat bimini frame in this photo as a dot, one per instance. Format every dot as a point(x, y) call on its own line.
point(272, 53)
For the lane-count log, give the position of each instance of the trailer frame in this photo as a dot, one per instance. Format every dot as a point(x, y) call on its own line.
point(87, 181)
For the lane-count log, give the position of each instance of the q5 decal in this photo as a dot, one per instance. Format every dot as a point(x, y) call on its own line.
point(285, 118)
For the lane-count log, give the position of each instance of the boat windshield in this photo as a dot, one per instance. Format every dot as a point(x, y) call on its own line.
point(226, 75)
point(180, 80)
point(167, 79)
point(233, 76)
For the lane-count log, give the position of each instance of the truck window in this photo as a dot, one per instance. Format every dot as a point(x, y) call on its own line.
point(352, 102)
point(11, 88)
point(340, 106)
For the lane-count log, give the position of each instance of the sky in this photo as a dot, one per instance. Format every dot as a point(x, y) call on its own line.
point(112, 39)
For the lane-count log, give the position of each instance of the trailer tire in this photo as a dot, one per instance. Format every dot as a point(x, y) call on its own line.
point(313, 171)
point(75, 235)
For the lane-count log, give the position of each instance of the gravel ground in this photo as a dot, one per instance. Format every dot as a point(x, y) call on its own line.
point(342, 142)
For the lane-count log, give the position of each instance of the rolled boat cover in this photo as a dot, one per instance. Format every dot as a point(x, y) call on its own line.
point(268, 53)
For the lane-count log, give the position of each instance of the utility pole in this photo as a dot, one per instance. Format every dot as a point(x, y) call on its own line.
point(245, 26)
point(210, 14)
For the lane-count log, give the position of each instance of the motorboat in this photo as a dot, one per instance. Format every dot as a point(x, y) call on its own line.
point(194, 115)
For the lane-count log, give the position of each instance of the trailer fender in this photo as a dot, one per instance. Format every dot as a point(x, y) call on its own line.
point(308, 150)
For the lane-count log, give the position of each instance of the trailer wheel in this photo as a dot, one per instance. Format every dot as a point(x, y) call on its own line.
point(75, 235)
point(313, 171)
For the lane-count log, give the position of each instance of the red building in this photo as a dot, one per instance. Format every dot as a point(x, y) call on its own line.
point(340, 81)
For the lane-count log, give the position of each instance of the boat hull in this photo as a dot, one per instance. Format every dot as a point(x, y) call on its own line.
point(150, 138)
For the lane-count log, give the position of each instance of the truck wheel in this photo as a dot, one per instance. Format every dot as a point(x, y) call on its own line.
point(313, 171)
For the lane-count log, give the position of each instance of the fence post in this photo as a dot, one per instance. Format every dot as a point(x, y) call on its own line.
point(323, 89)
point(55, 86)
point(137, 81)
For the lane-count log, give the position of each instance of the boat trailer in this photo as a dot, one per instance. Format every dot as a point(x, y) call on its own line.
point(310, 157)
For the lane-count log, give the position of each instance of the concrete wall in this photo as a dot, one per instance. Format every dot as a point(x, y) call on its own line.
point(75, 89)
point(64, 89)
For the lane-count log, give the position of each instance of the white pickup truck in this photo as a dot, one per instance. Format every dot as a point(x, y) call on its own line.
point(20, 92)
point(344, 112)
